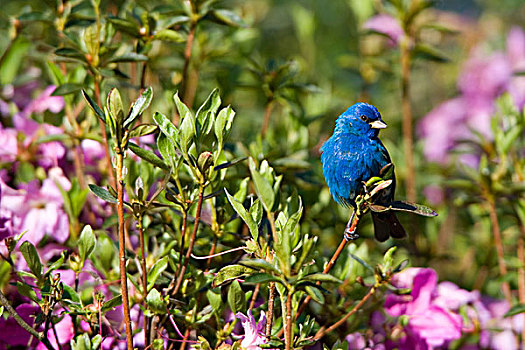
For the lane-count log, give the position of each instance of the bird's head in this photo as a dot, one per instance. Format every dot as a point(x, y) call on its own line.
point(360, 119)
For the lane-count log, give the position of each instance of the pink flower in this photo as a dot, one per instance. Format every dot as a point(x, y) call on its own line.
point(37, 209)
point(386, 25)
point(253, 331)
point(14, 335)
point(427, 321)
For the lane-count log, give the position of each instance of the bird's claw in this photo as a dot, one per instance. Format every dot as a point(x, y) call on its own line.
point(350, 235)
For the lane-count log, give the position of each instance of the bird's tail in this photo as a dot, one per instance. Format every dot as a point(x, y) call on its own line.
point(386, 224)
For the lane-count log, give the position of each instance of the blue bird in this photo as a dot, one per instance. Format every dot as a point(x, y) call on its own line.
point(350, 157)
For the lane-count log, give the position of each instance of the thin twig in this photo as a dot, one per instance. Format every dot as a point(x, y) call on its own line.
point(267, 115)
point(499, 247)
point(288, 322)
point(254, 296)
point(321, 332)
point(187, 59)
point(40, 336)
point(104, 136)
point(122, 250)
point(180, 277)
point(144, 277)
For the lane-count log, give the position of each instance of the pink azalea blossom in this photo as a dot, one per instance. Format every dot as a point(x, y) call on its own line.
point(428, 322)
point(484, 78)
point(387, 25)
point(37, 209)
point(65, 333)
point(253, 331)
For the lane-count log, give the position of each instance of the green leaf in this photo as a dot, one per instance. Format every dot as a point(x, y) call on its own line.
point(139, 106)
point(66, 89)
point(96, 341)
point(12, 59)
point(115, 106)
point(261, 277)
point(205, 116)
point(169, 35)
point(86, 243)
point(321, 277)
point(126, 26)
point(245, 215)
point(236, 297)
point(166, 149)
point(156, 270)
point(32, 259)
point(143, 130)
point(226, 17)
point(315, 294)
point(155, 302)
point(70, 53)
point(102, 193)
point(362, 262)
point(229, 273)
point(223, 124)
point(430, 53)
point(70, 294)
point(167, 128)
point(111, 303)
point(129, 57)
point(515, 310)
point(261, 264)
point(92, 104)
point(148, 156)
point(215, 300)
point(27, 291)
point(262, 187)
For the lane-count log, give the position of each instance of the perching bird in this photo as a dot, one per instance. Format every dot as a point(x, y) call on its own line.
point(354, 154)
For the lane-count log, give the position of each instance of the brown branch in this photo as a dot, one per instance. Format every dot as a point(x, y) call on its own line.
point(267, 115)
point(496, 231)
point(254, 296)
point(144, 278)
point(40, 336)
point(288, 322)
point(321, 332)
point(122, 250)
point(271, 302)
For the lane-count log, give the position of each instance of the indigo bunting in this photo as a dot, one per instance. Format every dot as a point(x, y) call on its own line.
point(350, 157)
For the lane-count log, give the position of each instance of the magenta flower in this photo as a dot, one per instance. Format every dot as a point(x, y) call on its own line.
point(483, 80)
point(253, 331)
point(386, 25)
point(12, 334)
point(37, 209)
point(428, 322)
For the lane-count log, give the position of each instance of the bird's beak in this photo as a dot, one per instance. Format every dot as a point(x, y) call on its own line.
point(377, 124)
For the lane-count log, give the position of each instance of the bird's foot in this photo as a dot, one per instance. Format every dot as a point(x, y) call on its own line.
point(350, 235)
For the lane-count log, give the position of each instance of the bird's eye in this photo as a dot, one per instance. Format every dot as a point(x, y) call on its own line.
point(364, 118)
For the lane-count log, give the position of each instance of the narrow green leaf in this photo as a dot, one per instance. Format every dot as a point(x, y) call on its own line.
point(32, 259)
point(139, 106)
point(102, 193)
point(226, 17)
point(430, 53)
point(223, 124)
point(315, 294)
point(321, 277)
point(129, 57)
point(70, 294)
point(148, 156)
point(362, 262)
point(114, 103)
point(167, 128)
point(413, 208)
point(111, 303)
point(515, 310)
point(156, 270)
point(86, 243)
point(205, 116)
point(169, 35)
point(92, 104)
point(261, 277)
point(12, 58)
point(229, 273)
point(261, 264)
point(245, 215)
point(262, 187)
point(143, 130)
